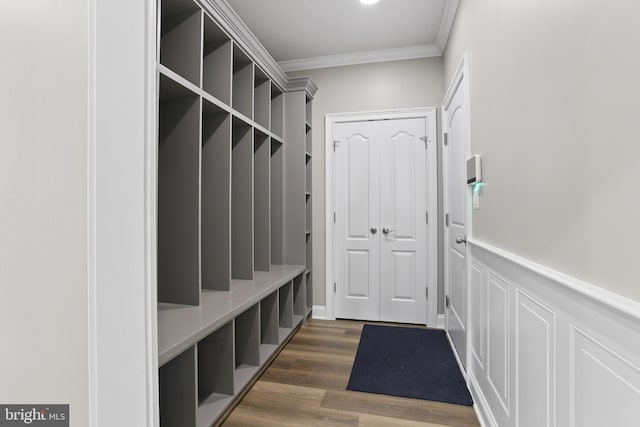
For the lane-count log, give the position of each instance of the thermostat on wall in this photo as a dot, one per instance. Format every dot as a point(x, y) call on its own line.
point(474, 170)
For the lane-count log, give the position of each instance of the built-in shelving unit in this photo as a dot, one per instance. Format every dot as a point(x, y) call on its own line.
point(234, 156)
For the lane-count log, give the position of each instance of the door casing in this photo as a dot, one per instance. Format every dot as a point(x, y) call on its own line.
point(429, 113)
point(460, 78)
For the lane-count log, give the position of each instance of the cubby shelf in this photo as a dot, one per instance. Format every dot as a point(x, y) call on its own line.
point(180, 326)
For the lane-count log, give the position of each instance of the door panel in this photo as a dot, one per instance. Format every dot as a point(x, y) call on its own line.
point(455, 198)
point(356, 248)
point(403, 208)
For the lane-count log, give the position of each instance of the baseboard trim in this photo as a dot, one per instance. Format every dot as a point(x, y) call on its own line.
point(319, 312)
point(480, 405)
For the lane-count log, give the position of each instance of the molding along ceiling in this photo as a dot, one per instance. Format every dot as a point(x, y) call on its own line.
point(304, 35)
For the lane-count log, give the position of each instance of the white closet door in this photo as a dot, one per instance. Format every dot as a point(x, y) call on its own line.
point(356, 242)
point(403, 221)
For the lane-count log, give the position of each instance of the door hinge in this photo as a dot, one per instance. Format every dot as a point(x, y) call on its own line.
point(445, 139)
point(427, 217)
point(334, 217)
point(335, 145)
point(427, 292)
point(334, 287)
point(446, 219)
point(447, 301)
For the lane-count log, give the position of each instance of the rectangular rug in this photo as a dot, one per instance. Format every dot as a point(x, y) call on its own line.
point(408, 362)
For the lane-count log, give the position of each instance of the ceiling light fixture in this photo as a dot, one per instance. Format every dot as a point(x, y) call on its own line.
point(369, 1)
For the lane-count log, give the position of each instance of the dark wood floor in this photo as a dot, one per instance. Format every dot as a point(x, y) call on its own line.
point(306, 386)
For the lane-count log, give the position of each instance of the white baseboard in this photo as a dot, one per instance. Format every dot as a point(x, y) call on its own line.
point(547, 349)
point(319, 312)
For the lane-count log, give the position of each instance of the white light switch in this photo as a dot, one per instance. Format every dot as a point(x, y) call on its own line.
point(475, 198)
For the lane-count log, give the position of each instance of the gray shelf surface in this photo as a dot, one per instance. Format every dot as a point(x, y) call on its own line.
point(180, 326)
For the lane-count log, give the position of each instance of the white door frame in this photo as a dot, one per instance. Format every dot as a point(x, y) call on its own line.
point(121, 213)
point(460, 76)
point(429, 114)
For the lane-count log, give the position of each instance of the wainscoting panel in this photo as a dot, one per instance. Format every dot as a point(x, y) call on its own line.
point(477, 313)
point(498, 338)
point(557, 351)
point(535, 363)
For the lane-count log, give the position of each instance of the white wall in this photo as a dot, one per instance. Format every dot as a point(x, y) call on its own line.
point(555, 98)
point(367, 87)
point(43, 204)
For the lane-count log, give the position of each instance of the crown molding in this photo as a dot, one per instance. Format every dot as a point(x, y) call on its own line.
point(303, 83)
point(363, 57)
point(226, 17)
point(449, 14)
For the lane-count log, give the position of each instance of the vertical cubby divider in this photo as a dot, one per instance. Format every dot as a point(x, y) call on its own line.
point(217, 62)
point(261, 191)
point(177, 387)
point(242, 201)
point(178, 194)
point(216, 198)
point(180, 38)
point(276, 202)
point(242, 83)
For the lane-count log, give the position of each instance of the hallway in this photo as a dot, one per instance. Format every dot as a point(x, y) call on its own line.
point(306, 386)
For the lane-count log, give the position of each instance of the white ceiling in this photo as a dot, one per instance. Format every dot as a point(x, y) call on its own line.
point(304, 34)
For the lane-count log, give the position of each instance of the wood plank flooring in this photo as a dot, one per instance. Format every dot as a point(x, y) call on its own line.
point(306, 386)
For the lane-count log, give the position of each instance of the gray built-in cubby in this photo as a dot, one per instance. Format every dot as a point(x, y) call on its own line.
point(242, 200)
point(242, 83)
point(262, 99)
point(217, 62)
point(216, 195)
point(277, 200)
point(178, 194)
point(277, 106)
point(232, 271)
point(181, 37)
point(261, 207)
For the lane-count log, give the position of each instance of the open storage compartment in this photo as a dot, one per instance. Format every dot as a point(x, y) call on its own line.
point(215, 374)
point(180, 38)
point(277, 110)
point(216, 197)
point(261, 216)
point(178, 194)
point(269, 339)
point(177, 389)
point(217, 62)
point(285, 309)
point(242, 201)
point(242, 99)
point(261, 98)
point(309, 293)
point(247, 344)
point(298, 298)
point(276, 203)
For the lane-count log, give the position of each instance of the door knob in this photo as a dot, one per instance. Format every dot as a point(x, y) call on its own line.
point(460, 240)
point(374, 230)
point(386, 230)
